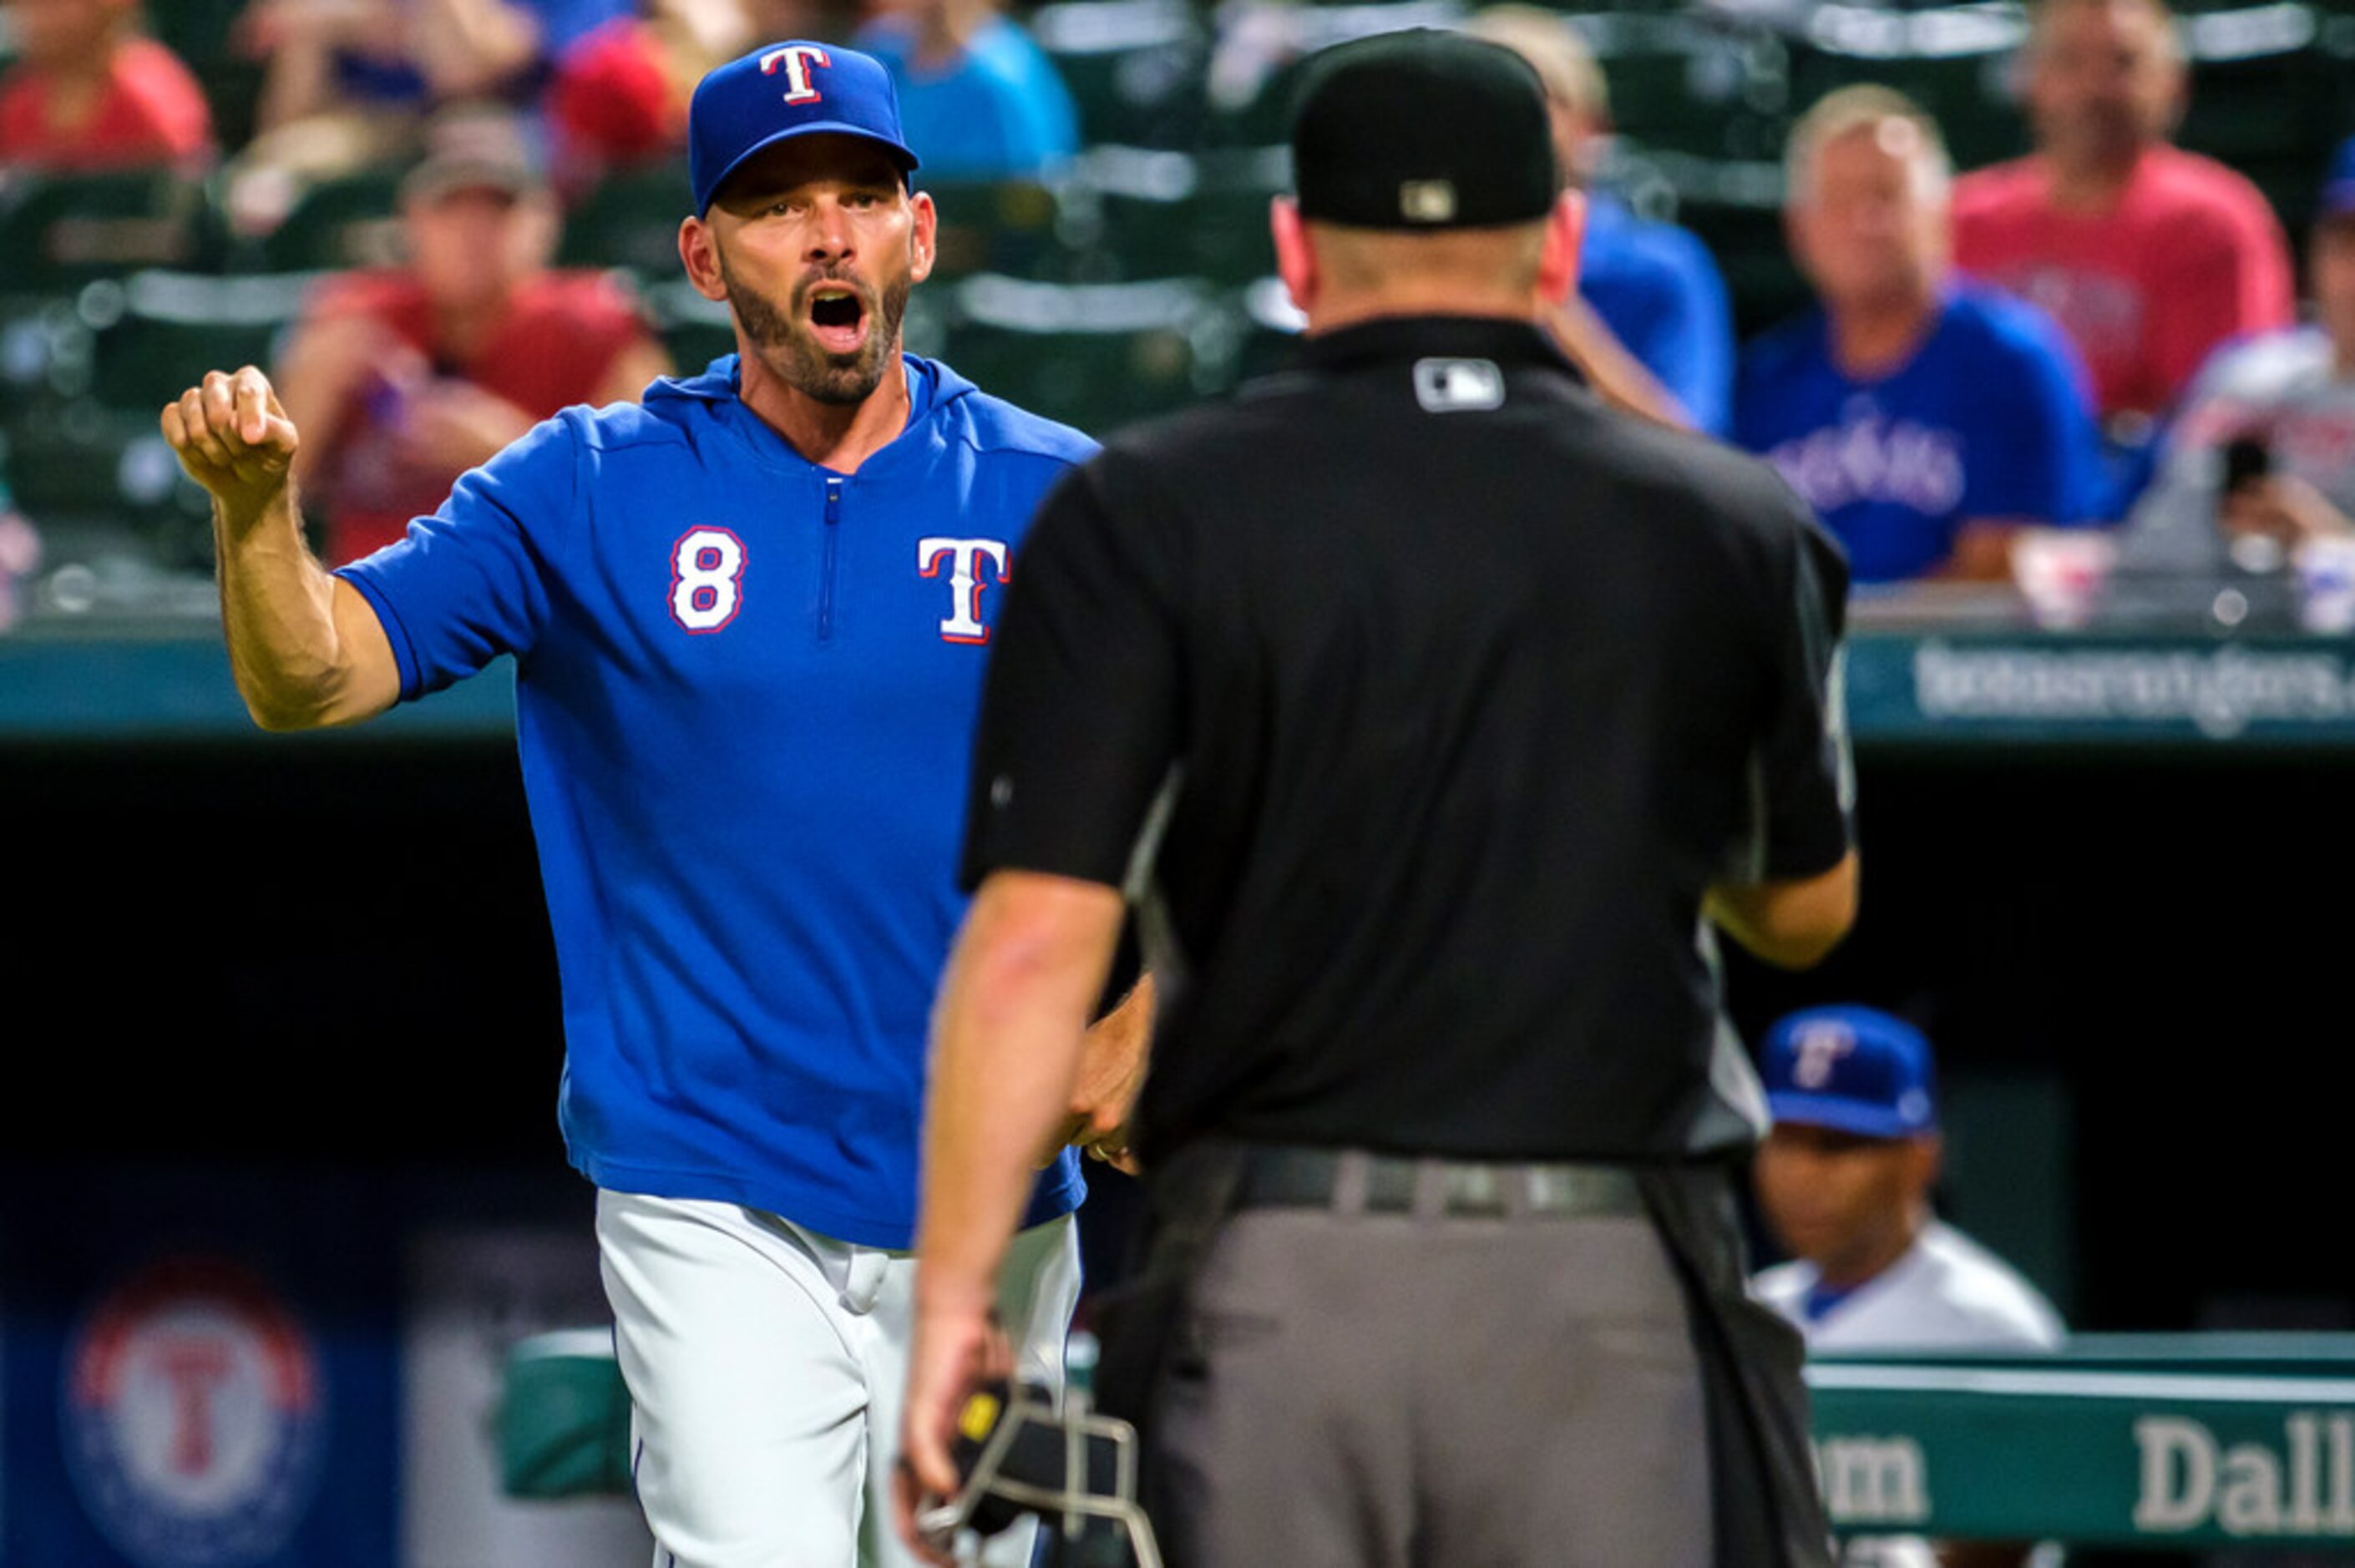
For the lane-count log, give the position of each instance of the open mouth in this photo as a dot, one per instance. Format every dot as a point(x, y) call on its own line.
point(838, 318)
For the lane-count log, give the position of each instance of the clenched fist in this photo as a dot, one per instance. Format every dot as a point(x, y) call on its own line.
point(234, 439)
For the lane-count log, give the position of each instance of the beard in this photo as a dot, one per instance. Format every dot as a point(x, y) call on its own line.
point(780, 336)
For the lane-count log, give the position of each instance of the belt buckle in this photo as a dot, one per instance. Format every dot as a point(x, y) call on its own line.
point(1473, 1189)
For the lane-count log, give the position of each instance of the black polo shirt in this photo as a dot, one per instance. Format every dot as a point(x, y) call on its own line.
point(1418, 698)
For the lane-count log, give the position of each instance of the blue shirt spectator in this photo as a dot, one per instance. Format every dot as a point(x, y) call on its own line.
point(1656, 289)
point(1656, 335)
point(977, 98)
point(1988, 419)
point(1926, 420)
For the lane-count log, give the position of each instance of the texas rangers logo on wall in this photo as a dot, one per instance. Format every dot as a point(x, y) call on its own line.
point(195, 1417)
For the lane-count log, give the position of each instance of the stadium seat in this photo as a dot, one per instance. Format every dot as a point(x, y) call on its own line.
point(1955, 61)
point(1714, 86)
point(1255, 61)
point(64, 231)
point(1137, 70)
point(1165, 215)
point(2269, 84)
point(1736, 209)
point(1013, 227)
point(630, 220)
point(1095, 355)
point(79, 462)
point(348, 221)
point(159, 332)
point(202, 33)
point(695, 330)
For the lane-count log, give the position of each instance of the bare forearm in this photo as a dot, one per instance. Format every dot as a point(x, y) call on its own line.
point(1794, 923)
point(1006, 1044)
point(1982, 553)
point(471, 45)
point(286, 647)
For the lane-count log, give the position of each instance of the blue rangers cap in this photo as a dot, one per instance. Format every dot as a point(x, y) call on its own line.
point(784, 91)
point(2338, 199)
point(1853, 1069)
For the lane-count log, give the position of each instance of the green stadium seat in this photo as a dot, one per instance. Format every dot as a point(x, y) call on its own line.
point(350, 220)
point(631, 220)
point(695, 330)
point(1095, 355)
point(1736, 209)
point(2269, 83)
point(1012, 227)
point(158, 333)
point(202, 33)
point(1255, 65)
point(1137, 70)
point(1271, 325)
point(1955, 61)
point(64, 231)
point(1165, 215)
point(1713, 87)
point(78, 461)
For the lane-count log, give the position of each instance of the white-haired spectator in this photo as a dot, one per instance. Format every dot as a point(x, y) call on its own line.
point(1923, 418)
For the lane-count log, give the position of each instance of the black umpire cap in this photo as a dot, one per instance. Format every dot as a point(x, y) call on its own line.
point(1420, 130)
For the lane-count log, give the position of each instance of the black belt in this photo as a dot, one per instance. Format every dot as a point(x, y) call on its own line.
point(1350, 1181)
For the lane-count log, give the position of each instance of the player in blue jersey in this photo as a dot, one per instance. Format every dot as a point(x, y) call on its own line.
point(749, 618)
point(1925, 419)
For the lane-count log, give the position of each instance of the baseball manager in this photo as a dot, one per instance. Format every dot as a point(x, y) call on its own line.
point(1435, 717)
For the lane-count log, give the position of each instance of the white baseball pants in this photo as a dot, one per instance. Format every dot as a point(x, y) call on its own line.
point(766, 1365)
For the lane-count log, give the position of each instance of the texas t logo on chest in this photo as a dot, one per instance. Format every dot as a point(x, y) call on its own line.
point(965, 581)
point(795, 60)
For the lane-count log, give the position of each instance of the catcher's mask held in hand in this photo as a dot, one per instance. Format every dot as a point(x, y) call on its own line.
point(1077, 1473)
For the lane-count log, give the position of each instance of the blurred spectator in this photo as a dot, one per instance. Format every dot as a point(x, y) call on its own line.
point(402, 379)
point(88, 92)
point(1844, 1182)
point(621, 91)
point(20, 556)
point(2263, 456)
point(1650, 289)
point(351, 82)
point(2147, 256)
point(978, 100)
point(1925, 420)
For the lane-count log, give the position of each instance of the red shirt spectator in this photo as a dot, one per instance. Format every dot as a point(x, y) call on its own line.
point(560, 341)
point(2148, 256)
point(402, 379)
point(90, 95)
point(2189, 256)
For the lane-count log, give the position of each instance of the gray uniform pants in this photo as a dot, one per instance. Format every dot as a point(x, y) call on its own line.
point(1393, 1391)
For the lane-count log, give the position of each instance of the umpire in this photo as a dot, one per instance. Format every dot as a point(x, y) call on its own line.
point(1432, 715)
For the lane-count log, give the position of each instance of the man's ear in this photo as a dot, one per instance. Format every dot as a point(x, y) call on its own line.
point(1295, 253)
point(699, 252)
point(924, 236)
point(1565, 230)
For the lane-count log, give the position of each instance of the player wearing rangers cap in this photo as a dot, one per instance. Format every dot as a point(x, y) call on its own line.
point(749, 618)
point(1844, 1182)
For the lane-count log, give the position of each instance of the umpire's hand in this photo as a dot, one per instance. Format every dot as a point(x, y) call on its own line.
point(955, 1347)
point(233, 437)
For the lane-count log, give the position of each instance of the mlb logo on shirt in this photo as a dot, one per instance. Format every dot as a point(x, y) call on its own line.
point(1458, 386)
